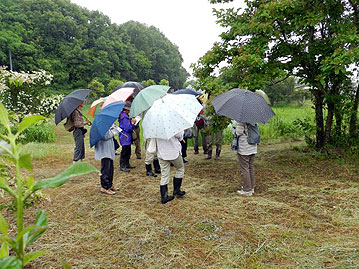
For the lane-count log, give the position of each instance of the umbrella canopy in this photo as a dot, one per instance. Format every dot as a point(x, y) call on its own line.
point(94, 104)
point(121, 94)
point(243, 106)
point(104, 120)
point(70, 103)
point(145, 98)
point(187, 91)
point(132, 84)
point(170, 115)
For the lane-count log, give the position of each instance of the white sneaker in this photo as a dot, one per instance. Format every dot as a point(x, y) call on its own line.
point(246, 193)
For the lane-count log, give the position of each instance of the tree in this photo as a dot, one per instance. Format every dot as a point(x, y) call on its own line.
point(97, 88)
point(270, 40)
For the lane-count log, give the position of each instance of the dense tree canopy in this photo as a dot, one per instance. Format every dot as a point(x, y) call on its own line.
point(314, 40)
point(77, 45)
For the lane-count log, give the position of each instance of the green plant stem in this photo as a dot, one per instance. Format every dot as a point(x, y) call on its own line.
point(19, 202)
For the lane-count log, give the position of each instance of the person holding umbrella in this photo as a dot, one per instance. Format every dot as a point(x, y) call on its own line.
point(169, 152)
point(70, 108)
point(79, 133)
point(105, 151)
point(247, 109)
point(125, 137)
point(246, 153)
point(102, 132)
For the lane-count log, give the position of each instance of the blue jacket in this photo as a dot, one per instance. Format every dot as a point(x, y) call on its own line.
point(127, 128)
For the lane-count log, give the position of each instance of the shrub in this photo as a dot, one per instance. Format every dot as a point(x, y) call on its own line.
point(41, 133)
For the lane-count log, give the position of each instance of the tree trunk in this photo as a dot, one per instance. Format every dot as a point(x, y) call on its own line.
point(353, 128)
point(318, 102)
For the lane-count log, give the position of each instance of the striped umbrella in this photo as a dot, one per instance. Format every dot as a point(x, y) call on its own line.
point(243, 106)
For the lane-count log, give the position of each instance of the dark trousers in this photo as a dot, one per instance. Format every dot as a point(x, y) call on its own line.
point(125, 156)
point(184, 147)
point(106, 173)
point(79, 151)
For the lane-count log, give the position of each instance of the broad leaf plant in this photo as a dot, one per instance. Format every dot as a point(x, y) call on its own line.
point(25, 187)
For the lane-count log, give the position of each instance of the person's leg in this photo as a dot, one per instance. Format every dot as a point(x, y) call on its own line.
point(209, 139)
point(79, 151)
point(123, 162)
point(165, 178)
point(219, 141)
point(106, 175)
point(178, 177)
point(244, 167)
point(128, 156)
point(148, 163)
point(137, 143)
point(204, 142)
point(184, 149)
point(195, 139)
point(251, 171)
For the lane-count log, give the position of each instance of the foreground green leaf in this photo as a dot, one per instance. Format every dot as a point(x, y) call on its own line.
point(25, 162)
point(4, 250)
point(3, 225)
point(75, 170)
point(10, 263)
point(28, 121)
point(4, 119)
point(32, 256)
point(37, 230)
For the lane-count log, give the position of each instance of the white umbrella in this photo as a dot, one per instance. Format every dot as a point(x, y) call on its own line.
point(170, 115)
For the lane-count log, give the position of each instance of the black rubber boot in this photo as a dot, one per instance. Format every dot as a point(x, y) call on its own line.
point(177, 182)
point(123, 165)
point(218, 153)
point(164, 194)
point(128, 165)
point(156, 166)
point(149, 171)
point(209, 155)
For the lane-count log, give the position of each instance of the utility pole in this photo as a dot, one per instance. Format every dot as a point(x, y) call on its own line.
point(10, 60)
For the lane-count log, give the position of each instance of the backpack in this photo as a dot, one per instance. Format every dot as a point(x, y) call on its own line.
point(69, 124)
point(253, 134)
point(199, 120)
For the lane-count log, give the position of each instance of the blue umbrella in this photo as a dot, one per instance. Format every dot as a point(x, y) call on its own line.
point(104, 120)
point(187, 91)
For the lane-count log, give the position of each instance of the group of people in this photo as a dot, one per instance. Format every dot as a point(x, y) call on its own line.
point(165, 153)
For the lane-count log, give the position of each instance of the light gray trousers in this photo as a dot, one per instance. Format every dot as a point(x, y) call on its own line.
point(247, 171)
point(166, 169)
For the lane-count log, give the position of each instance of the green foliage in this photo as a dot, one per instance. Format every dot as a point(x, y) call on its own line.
point(164, 82)
point(97, 89)
point(111, 86)
point(40, 133)
point(77, 45)
point(25, 188)
point(316, 41)
point(148, 82)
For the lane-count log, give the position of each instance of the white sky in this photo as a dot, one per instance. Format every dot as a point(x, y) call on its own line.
point(187, 23)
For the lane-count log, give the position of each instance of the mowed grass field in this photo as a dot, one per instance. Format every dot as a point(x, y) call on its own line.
point(304, 214)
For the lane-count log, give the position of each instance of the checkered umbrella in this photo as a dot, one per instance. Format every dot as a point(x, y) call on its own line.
point(243, 106)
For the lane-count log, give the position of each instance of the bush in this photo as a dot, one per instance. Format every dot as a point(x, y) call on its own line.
point(41, 133)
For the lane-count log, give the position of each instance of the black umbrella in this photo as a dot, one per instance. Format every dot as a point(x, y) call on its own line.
point(132, 84)
point(187, 91)
point(69, 104)
point(243, 106)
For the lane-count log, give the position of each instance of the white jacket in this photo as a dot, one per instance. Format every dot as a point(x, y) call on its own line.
point(243, 147)
point(169, 149)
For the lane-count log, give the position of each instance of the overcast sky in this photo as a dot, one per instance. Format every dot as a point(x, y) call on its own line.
point(187, 23)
